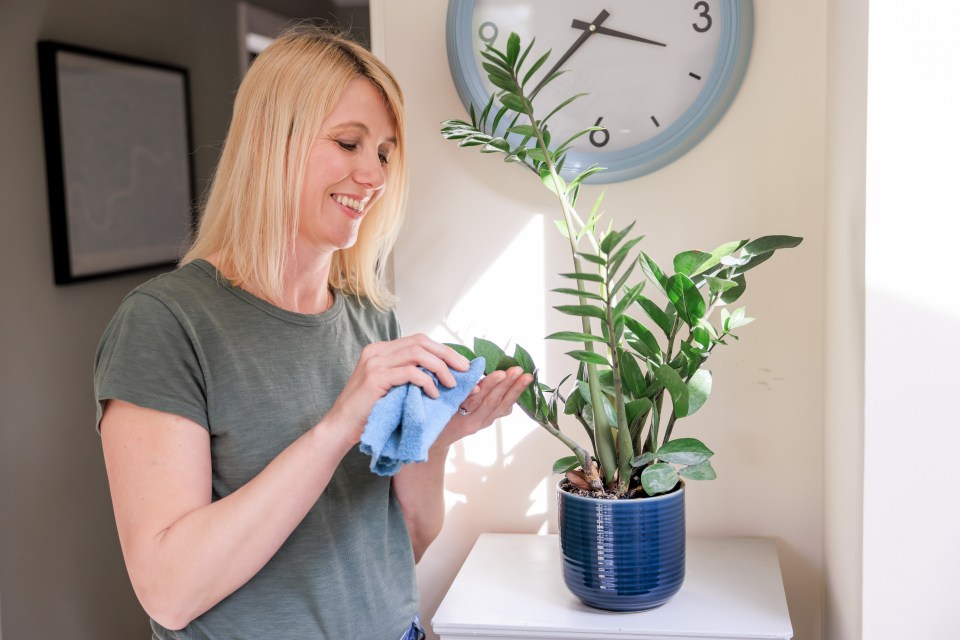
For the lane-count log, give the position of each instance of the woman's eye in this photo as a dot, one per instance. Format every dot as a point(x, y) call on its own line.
point(384, 158)
point(347, 146)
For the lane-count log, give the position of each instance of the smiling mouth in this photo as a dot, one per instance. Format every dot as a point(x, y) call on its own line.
point(350, 203)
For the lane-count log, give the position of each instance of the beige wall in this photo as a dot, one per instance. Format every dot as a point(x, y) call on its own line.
point(61, 574)
point(760, 171)
point(844, 317)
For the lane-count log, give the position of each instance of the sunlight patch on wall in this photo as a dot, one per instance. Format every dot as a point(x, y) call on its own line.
point(506, 306)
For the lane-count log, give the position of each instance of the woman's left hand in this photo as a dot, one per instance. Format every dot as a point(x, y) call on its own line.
point(492, 399)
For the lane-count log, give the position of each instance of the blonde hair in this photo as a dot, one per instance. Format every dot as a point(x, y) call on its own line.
point(251, 213)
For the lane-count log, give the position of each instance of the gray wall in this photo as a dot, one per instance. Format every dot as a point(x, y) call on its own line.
point(61, 573)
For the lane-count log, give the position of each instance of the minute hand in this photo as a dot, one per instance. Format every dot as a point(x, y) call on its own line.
point(580, 24)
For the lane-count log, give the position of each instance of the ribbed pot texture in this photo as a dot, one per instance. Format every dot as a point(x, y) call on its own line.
point(622, 555)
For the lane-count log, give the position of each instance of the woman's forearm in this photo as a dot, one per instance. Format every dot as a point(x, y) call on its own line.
point(419, 489)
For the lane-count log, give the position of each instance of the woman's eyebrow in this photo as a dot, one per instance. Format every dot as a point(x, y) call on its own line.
point(362, 127)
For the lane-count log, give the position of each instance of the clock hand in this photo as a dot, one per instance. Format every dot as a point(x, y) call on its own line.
point(588, 30)
point(580, 24)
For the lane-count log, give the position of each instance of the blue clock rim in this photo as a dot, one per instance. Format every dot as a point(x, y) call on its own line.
point(733, 57)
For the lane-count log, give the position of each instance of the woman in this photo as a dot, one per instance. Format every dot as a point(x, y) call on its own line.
point(233, 391)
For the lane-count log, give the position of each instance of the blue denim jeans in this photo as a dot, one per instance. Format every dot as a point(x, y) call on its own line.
point(415, 632)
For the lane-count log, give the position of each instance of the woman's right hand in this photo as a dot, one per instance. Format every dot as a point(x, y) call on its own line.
point(384, 365)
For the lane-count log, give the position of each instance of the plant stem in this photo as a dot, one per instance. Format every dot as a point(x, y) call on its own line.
point(624, 440)
point(602, 432)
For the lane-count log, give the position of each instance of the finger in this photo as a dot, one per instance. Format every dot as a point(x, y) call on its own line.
point(479, 394)
point(442, 351)
point(498, 386)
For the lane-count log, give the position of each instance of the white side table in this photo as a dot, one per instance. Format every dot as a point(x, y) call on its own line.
point(510, 588)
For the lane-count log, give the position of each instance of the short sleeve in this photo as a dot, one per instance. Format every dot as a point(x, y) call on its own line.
point(147, 358)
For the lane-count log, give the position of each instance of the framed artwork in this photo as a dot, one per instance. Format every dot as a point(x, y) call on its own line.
point(119, 170)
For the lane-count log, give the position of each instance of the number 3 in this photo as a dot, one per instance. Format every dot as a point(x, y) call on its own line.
point(705, 13)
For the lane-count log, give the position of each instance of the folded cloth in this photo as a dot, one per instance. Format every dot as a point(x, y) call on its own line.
point(405, 423)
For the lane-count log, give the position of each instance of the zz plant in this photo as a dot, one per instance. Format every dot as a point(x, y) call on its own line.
point(635, 350)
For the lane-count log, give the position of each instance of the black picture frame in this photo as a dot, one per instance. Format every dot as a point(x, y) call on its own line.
point(120, 175)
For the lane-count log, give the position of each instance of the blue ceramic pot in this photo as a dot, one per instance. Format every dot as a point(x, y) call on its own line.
point(622, 555)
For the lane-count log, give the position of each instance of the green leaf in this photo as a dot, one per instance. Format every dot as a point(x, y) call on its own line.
point(623, 279)
point(689, 261)
point(589, 257)
point(718, 285)
point(562, 227)
point(701, 335)
point(488, 351)
point(684, 451)
point(768, 244)
point(636, 409)
point(513, 48)
point(523, 56)
point(587, 310)
point(658, 478)
point(611, 240)
point(462, 350)
point(752, 261)
point(500, 80)
point(738, 319)
point(653, 272)
point(569, 463)
point(499, 116)
point(524, 130)
point(642, 459)
point(588, 356)
point(679, 394)
point(533, 68)
point(560, 106)
point(514, 102)
point(647, 338)
point(685, 296)
point(631, 374)
point(656, 314)
point(578, 293)
point(629, 297)
point(592, 277)
point(699, 387)
point(717, 255)
point(524, 359)
point(702, 471)
point(506, 362)
point(574, 336)
point(733, 294)
point(552, 182)
point(583, 175)
point(622, 252)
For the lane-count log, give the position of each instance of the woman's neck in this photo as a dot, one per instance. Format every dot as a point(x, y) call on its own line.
point(305, 284)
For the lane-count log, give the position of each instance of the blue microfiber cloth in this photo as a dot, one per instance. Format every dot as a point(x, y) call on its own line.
point(405, 423)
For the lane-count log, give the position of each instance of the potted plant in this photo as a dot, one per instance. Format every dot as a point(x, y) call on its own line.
point(645, 334)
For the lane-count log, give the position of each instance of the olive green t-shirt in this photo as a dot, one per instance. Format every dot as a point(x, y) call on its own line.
point(257, 377)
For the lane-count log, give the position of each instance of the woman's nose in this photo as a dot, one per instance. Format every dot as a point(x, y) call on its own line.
point(371, 172)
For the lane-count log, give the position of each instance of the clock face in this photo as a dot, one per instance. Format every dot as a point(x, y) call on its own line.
point(658, 73)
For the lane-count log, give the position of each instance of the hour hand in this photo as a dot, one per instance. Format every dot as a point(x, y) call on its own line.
point(586, 26)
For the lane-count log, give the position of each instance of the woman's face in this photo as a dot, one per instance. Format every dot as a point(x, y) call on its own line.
point(346, 169)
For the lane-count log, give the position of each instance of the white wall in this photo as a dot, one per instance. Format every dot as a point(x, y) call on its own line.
point(480, 248)
point(911, 522)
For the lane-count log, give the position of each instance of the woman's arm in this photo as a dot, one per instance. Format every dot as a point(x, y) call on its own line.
point(419, 487)
point(184, 552)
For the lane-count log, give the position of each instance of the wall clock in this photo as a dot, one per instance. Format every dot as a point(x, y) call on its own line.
point(659, 73)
